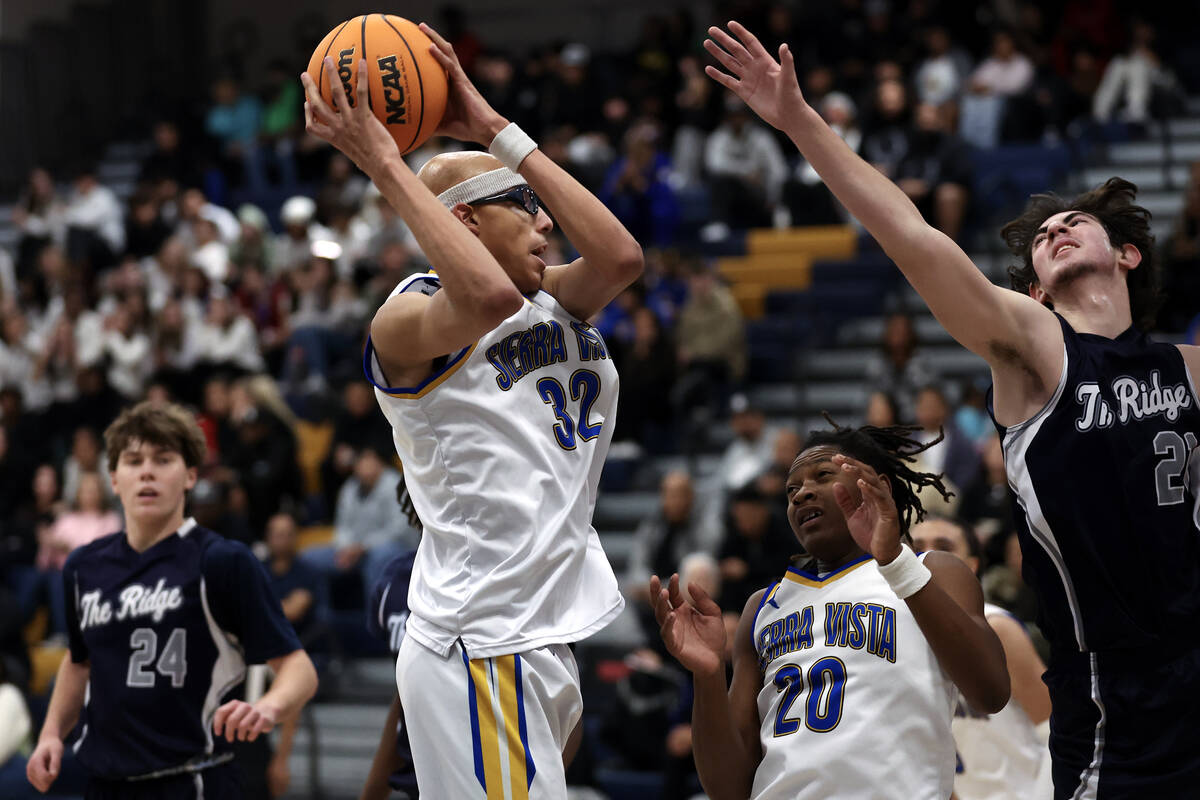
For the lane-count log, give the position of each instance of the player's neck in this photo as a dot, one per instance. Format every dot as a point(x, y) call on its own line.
point(1096, 305)
point(145, 533)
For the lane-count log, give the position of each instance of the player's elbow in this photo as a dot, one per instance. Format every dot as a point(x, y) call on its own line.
point(629, 262)
point(499, 303)
point(305, 676)
point(990, 695)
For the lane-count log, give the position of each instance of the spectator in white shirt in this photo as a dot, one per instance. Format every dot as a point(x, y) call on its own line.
point(128, 350)
point(1006, 72)
point(746, 167)
point(95, 222)
point(227, 338)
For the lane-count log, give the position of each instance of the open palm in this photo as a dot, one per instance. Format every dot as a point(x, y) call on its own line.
point(693, 632)
point(768, 86)
point(873, 520)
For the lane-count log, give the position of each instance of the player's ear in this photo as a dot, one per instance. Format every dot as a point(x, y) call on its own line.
point(192, 474)
point(466, 215)
point(1039, 294)
point(1128, 257)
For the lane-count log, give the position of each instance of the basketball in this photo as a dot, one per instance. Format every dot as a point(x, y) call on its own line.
point(407, 85)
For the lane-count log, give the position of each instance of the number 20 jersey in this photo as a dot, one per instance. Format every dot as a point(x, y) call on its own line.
point(502, 447)
point(853, 701)
point(1106, 481)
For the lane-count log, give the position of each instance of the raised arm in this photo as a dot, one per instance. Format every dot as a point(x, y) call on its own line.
point(948, 607)
point(725, 720)
point(411, 329)
point(611, 258)
point(1013, 332)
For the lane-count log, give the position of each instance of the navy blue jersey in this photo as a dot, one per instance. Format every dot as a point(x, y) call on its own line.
point(1106, 505)
point(387, 615)
point(167, 634)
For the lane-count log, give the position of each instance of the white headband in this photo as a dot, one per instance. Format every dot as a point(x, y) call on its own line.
point(480, 186)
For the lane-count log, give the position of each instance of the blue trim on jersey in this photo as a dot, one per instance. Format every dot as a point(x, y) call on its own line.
point(813, 577)
point(762, 601)
point(369, 350)
point(530, 770)
point(476, 747)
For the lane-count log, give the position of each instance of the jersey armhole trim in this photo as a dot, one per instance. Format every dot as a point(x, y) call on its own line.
point(434, 379)
point(766, 598)
point(1012, 430)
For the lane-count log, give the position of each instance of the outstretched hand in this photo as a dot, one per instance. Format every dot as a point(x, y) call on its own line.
point(874, 521)
point(468, 116)
point(768, 86)
point(354, 130)
point(693, 632)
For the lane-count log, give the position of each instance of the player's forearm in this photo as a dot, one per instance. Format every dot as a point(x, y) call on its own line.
point(866, 193)
point(385, 761)
point(469, 273)
point(294, 685)
point(70, 685)
point(723, 760)
point(966, 648)
point(598, 235)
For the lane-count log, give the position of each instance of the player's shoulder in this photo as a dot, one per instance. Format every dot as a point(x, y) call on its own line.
point(218, 553)
point(426, 283)
point(88, 552)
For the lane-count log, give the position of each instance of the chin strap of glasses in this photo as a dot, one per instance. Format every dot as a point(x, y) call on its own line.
point(486, 184)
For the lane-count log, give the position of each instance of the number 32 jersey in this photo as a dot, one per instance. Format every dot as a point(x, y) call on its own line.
point(167, 634)
point(853, 702)
point(502, 447)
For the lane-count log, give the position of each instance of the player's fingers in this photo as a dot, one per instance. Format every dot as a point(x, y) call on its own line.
point(667, 631)
point(340, 103)
point(728, 81)
point(662, 606)
point(53, 763)
point(731, 45)
point(436, 38)
point(249, 728)
point(234, 720)
point(364, 87)
point(219, 717)
point(702, 600)
point(748, 39)
point(448, 62)
point(841, 496)
point(677, 598)
point(786, 61)
point(729, 62)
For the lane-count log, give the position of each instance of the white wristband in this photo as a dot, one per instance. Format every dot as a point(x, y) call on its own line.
point(511, 146)
point(906, 574)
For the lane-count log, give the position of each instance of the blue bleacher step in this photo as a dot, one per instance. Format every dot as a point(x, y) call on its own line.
point(1148, 177)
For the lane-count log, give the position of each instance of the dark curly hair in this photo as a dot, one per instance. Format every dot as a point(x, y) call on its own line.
point(1125, 223)
point(889, 451)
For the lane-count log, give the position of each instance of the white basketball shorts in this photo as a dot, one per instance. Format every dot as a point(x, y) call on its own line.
point(489, 728)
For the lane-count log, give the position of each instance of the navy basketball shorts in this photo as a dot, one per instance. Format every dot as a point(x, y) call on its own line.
point(1123, 725)
point(222, 782)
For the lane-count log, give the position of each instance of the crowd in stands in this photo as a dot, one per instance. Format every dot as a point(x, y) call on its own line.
point(239, 275)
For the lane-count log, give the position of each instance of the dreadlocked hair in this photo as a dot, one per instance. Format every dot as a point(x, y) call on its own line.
point(889, 451)
point(406, 505)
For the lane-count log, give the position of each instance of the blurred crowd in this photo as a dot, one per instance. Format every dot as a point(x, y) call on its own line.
point(240, 270)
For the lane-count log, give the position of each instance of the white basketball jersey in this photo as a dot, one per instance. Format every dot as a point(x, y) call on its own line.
point(854, 703)
point(1000, 757)
point(502, 447)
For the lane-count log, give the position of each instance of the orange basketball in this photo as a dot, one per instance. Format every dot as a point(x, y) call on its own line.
point(407, 86)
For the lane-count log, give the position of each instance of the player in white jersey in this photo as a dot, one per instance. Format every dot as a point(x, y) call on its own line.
point(1001, 756)
point(844, 672)
point(501, 399)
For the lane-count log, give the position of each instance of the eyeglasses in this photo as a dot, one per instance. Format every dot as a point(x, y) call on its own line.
point(522, 196)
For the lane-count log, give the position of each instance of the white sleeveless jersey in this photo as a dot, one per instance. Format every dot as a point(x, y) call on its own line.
point(1000, 757)
point(853, 703)
point(502, 447)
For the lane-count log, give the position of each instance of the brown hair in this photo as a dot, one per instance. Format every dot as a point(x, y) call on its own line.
point(1124, 222)
point(169, 426)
